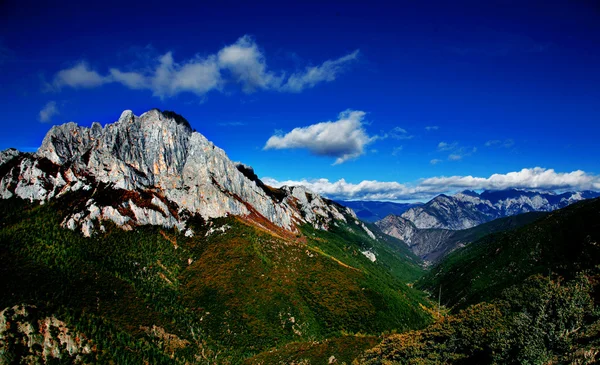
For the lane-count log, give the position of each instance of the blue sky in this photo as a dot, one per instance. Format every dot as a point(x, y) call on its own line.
point(411, 91)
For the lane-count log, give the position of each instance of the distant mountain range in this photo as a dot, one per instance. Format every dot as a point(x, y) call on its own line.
point(563, 242)
point(372, 211)
point(441, 225)
point(469, 209)
point(432, 244)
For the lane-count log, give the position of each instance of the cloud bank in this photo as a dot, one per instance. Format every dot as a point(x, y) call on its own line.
point(343, 139)
point(241, 63)
point(536, 178)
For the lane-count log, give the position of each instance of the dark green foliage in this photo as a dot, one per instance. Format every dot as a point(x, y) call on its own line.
point(152, 295)
point(538, 322)
point(564, 242)
point(343, 349)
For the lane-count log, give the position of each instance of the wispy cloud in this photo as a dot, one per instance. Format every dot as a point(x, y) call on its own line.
point(445, 146)
point(432, 128)
point(241, 63)
point(536, 178)
point(48, 112)
point(343, 139)
point(79, 76)
point(457, 152)
point(400, 133)
point(311, 76)
point(396, 151)
point(435, 161)
point(507, 143)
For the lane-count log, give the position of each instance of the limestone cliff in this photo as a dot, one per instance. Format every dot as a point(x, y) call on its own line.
point(151, 169)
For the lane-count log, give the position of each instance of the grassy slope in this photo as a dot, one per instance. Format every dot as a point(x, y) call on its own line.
point(343, 349)
point(563, 242)
point(229, 295)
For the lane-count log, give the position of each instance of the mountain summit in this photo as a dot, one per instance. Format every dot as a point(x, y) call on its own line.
point(153, 169)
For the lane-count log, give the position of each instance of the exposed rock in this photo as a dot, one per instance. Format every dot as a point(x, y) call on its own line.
point(40, 338)
point(174, 171)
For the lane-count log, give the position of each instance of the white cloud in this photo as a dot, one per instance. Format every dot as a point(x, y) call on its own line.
point(248, 66)
point(445, 146)
point(48, 111)
point(533, 178)
point(80, 75)
point(457, 152)
point(400, 133)
point(132, 80)
point(344, 138)
point(432, 128)
point(435, 161)
point(240, 63)
point(536, 178)
point(198, 76)
point(507, 143)
point(311, 76)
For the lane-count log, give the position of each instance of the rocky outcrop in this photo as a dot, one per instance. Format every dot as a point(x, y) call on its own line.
point(169, 170)
point(469, 209)
point(40, 339)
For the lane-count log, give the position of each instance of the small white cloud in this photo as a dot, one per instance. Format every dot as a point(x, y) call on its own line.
point(48, 111)
point(445, 146)
point(435, 161)
point(80, 75)
point(457, 152)
point(432, 128)
point(247, 65)
point(400, 133)
point(326, 72)
point(344, 138)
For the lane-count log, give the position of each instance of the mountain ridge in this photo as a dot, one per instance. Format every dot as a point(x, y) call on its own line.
point(468, 209)
point(174, 171)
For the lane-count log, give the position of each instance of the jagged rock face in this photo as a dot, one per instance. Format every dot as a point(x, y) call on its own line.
point(178, 169)
point(398, 227)
point(469, 209)
point(422, 242)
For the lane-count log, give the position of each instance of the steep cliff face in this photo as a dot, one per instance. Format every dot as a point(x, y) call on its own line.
point(151, 169)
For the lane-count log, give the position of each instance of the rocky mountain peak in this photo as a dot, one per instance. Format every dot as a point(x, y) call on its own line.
point(152, 169)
